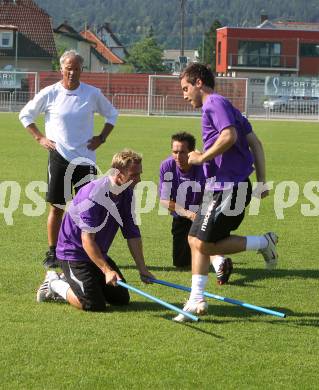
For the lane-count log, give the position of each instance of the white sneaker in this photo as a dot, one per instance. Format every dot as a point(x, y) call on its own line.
point(44, 293)
point(199, 308)
point(51, 275)
point(270, 252)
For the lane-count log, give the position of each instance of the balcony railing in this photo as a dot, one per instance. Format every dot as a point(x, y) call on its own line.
point(262, 61)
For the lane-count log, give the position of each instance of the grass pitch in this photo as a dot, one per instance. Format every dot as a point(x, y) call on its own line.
point(54, 346)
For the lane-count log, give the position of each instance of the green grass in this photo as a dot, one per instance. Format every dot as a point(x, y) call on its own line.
point(53, 346)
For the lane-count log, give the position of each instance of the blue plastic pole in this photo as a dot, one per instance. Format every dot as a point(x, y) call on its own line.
point(157, 300)
point(224, 299)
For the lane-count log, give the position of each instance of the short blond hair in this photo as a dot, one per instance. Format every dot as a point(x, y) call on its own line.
point(122, 160)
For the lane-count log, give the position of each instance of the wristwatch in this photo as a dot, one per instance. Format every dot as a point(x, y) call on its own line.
point(102, 138)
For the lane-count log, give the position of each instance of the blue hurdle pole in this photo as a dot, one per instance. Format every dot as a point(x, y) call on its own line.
point(224, 299)
point(152, 298)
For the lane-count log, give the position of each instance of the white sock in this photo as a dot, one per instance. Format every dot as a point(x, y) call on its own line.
point(216, 261)
point(60, 287)
point(254, 243)
point(198, 287)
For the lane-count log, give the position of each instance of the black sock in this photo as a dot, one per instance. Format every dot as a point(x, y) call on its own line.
point(52, 248)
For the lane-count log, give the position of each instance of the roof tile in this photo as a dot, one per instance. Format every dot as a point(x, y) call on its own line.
point(35, 33)
point(101, 48)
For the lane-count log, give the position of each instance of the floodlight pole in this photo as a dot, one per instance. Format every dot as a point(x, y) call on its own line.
point(182, 26)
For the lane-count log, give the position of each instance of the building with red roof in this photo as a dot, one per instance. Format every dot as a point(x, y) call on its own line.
point(101, 47)
point(26, 36)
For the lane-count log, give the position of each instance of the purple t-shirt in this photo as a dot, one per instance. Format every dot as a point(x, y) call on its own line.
point(236, 164)
point(184, 188)
point(95, 209)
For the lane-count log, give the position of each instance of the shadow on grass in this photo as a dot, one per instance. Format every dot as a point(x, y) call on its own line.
point(194, 326)
point(222, 314)
point(312, 323)
point(292, 318)
point(213, 310)
point(154, 307)
point(236, 312)
point(226, 314)
point(250, 275)
point(304, 319)
point(157, 268)
point(307, 322)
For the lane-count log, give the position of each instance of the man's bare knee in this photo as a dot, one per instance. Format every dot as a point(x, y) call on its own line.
point(191, 241)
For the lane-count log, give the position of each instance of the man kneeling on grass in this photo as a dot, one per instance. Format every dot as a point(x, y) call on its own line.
point(87, 232)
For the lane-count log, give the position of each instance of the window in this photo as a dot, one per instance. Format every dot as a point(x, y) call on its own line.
point(259, 54)
point(219, 52)
point(6, 39)
point(309, 49)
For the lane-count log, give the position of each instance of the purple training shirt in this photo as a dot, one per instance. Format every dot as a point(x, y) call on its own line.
point(236, 164)
point(184, 188)
point(95, 209)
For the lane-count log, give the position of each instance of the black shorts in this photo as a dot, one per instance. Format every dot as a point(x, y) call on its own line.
point(221, 212)
point(87, 282)
point(182, 256)
point(57, 166)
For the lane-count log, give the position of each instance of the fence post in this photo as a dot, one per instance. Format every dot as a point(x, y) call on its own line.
point(246, 99)
point(150, 92)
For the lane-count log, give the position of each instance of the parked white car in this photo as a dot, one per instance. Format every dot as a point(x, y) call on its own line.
point(292, 104)
point(279, 103)
point(303, 104)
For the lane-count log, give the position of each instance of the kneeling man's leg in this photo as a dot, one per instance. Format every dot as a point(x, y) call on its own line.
point(86, 285)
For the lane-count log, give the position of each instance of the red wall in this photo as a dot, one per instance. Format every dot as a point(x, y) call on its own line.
point(109, 83)
point(308, 65)
point(225, 48)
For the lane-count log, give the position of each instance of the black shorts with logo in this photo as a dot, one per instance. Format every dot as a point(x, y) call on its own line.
point(57, 168)
point(221, 212)
point(87, 282)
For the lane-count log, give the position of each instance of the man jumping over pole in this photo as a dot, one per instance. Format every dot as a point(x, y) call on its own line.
point(228, 164)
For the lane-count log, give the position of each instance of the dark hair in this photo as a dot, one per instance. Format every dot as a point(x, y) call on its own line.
point(185, 137)
point(196, 71)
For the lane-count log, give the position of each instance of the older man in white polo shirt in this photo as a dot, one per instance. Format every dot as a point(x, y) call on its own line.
point(69, 106)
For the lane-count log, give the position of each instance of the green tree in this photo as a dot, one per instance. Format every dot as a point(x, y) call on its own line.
point(207, 51)
point(146, 55)
point(129, 19)
point(61, 47)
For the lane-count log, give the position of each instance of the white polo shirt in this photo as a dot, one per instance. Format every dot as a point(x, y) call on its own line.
point(69, 117)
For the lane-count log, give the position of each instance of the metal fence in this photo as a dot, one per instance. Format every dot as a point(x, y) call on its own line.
point(280, 107)
point(13, 101)
point(292, 108)
point(256, 104)
point(130, 103)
